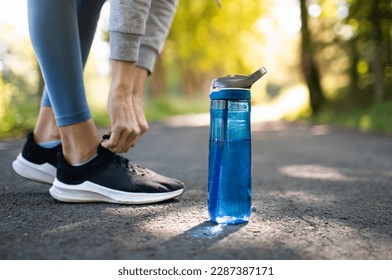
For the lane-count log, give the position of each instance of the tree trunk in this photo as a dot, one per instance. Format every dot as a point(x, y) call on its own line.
point(309, 66)
point(377, 63)
point(354, 77)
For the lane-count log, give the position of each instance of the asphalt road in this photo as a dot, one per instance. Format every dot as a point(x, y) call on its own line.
point(318, 193)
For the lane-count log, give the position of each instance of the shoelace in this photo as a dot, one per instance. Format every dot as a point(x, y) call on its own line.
point(135, 168)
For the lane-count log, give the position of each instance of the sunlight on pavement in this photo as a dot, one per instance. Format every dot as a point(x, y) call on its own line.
point(301, 196)
point(208, 231)
point(4, 146)
point(318, 172)
point(196, 120)
point(71, 227)
point(165, 225)
point(313, 172)
point(320, 130)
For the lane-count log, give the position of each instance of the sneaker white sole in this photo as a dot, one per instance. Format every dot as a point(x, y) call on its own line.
point(44, 173)
point(91, 192)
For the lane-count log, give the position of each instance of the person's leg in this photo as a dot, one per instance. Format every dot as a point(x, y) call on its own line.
point(46, 129)
point(88, 16)
point(86, 171)
point(54, 32)
point(88, 11)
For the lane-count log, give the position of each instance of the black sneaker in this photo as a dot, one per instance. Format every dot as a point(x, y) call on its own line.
point(37, 163)
point(111, 178)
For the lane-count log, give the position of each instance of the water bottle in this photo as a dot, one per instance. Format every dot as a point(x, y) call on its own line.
point(229, 165)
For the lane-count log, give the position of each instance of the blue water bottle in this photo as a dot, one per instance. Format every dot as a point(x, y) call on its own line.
point(229, 166)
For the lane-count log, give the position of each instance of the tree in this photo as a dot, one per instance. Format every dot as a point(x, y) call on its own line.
point(375, 17)
point(308, 63)
point(206, 41)
point(372, 20)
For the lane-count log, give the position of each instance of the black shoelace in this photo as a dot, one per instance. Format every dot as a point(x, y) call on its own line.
point(134, 168)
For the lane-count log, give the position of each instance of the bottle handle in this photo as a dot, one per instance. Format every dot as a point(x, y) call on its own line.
point(238, 81)
point(257, 75)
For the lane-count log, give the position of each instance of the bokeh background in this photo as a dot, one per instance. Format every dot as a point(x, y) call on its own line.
point(328, 61)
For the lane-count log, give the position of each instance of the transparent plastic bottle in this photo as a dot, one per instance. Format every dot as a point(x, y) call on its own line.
point(230, 158)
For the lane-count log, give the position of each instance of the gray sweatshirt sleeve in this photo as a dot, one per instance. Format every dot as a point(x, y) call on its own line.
point(157, 28)
point(127, 24)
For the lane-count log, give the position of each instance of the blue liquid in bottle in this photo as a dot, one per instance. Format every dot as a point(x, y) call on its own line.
point(229, 181)
point(229, 168)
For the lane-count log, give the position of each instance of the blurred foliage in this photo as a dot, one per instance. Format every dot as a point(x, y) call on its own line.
point(353, 50)
point(207, 41)
point(353, 46)
point(309, 66)
point(18, 101)
point(376, 117)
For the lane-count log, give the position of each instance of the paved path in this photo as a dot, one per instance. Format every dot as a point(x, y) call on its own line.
point(318, 193)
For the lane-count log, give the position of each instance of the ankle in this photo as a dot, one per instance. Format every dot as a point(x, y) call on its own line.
point(80, 141)
point(46, 128)
point(85, 162)
point(79, 155)
point(46, 136)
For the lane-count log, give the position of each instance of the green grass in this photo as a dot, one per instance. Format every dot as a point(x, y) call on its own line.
point(164, 107)
point(18, 113)
point(375, 118)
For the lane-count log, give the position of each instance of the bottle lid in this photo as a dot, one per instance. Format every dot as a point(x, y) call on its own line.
point(238, 81)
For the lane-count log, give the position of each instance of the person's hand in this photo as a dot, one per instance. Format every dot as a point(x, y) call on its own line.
point(125, 130)
point(125, 106)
